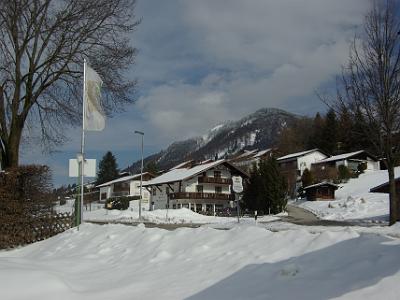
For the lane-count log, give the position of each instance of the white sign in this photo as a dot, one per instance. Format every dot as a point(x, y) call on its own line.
point(237, 184)
point(89, 169)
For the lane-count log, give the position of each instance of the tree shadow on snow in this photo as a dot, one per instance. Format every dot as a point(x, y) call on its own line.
point(327, 273)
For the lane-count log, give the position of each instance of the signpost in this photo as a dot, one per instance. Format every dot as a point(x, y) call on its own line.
point(237, 187)
point(75, 169)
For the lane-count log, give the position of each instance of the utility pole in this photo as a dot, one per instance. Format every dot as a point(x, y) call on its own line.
point(141, 177)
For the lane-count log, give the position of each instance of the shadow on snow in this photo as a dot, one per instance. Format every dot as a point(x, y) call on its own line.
point(326, 273)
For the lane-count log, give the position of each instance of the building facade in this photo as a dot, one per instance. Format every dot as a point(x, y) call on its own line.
point(201, 188)
point(126, 186)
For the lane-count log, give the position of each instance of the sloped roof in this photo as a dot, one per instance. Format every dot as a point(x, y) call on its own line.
point(322, 184)
point(298, 154)
point(182, 174)
point(246, 154)
point(261, 153)
point(182, 165)
point(343, 156)
point(121, 179)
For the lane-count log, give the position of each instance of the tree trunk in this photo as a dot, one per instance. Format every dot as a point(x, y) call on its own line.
point(392, 194)
point(10, 155)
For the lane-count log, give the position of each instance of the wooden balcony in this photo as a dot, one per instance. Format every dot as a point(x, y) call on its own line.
point(218, 180)
point(204, 196)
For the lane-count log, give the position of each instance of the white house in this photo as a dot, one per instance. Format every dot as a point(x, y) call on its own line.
point(126, 186)
point(203, 187)
point(301, 160)
point(247, 159)
point(293, 165)
point(351, 160)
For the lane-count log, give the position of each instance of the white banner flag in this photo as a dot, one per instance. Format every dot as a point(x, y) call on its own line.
point(94, 114)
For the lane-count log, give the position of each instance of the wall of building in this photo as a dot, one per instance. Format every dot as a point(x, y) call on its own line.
point(304, 162)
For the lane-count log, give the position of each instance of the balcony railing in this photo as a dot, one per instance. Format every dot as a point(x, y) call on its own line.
point(206, 179)
point(214, 196)
point(120, 193)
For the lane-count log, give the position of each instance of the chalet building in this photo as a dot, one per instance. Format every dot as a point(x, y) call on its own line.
point(126, 186)
point(384, 187)
point(321, 191)
point(351, 160)
point(204, 187)
point(246, 160)
point(293, 165)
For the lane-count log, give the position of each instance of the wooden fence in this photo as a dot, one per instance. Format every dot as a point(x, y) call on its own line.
point(21, 231)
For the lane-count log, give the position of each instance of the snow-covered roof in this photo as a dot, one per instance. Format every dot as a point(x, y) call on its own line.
point(247, 153)
point(121, 179)
point(321, 184)
point(181, 165)
point(298, 154)
point(261, 153)
point(340, 157)
point(182, 174)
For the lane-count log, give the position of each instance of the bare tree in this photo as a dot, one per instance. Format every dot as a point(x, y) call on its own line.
point(42, 47)
point(371, 86)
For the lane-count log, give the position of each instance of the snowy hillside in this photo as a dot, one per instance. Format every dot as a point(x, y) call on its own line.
point(354, 201)
point(125, 262)
point(257, 130)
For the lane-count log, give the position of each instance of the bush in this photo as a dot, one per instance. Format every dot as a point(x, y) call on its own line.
point(361, 168)
point(344, 173)
point(121, 203)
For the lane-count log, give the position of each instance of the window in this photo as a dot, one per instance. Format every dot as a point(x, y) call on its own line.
point(199, 207)
point(167, 190)
point(103, 196)
point(199, 188)
point(217, 174)
point(218, 190)
point(154, 191)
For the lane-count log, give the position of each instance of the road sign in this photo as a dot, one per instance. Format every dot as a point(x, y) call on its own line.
point(89, 169)
point(237, 184)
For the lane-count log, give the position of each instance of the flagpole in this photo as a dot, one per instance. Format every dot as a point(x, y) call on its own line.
point(83, 139)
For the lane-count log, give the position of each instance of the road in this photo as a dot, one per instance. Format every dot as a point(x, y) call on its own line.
point(300, 216)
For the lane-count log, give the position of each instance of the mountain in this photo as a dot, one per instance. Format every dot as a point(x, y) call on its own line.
point(258, 130)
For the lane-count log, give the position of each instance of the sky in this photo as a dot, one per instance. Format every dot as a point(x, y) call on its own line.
point(201, 63)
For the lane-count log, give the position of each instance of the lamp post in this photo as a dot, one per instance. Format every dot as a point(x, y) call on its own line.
point(141, 177)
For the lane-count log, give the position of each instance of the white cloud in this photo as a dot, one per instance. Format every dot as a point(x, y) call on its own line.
point(203, 62)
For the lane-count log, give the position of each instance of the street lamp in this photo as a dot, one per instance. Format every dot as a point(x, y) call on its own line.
point(141, 177)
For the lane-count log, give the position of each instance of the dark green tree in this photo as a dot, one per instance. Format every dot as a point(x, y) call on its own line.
point(330, 133)
point(345, 129)
point(275, 187)
point(108, 169)
point(307, 178)
point(151, 167)
point(266, 191)
point(316, 138)
point(252, 196)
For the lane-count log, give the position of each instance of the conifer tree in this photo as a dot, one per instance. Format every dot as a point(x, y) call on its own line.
point(275, 187)
point(315, 140)
point(329, 134)
point(108, 169)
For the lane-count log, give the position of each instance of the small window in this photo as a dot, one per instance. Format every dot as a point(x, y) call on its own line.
point(218, 190)
point(199, 188)
point(154, 191)
point(103, 196)
point(167, 190)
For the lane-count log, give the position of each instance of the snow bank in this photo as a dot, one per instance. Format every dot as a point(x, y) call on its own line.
point(246, 262)
point(354, 201)
point(161, 216)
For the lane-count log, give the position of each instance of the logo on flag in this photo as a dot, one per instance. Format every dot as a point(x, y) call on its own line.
point(94, 114)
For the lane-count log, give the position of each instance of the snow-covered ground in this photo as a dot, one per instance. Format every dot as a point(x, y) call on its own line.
point(354, 201)
point(247, 262)
point(160, 216)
